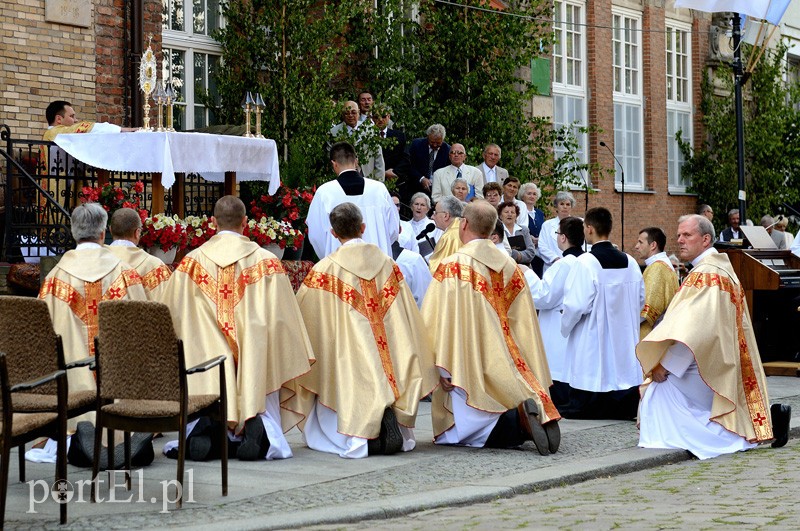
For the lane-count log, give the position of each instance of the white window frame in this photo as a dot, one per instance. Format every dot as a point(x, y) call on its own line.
point(563, 91)
point(190, 43)
point(629, 98)
point(677, 107)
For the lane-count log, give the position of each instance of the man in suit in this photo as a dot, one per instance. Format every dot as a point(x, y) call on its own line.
point(360, 135)
point(426, 155)
point(395, 155)
point(732, 232)
point(365, 102)
point(444, 178)
point(492, 173)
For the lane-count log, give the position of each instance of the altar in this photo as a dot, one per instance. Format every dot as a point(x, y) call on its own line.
point(217, 158)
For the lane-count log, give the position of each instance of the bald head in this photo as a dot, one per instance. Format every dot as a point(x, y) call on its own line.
point(229, 213)
point(350, 113)
point(457, 155)
point(480, 219)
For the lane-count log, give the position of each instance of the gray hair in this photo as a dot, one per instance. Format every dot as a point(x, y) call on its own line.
point(487, 146)
point(436, 131)
point(563, 196)
point(421, 195)
point(451, 205)
point(733, 211)
point(704, 225)
point(766, 221)
point(527, 186)
point(88, 222)
point(458, 181)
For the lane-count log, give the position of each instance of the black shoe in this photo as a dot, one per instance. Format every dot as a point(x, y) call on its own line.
point(255, 442)
point(553, 432)
point(529, 419)
point(390, 440)
point(142, 452)
point(81, 446)
point(781, 417)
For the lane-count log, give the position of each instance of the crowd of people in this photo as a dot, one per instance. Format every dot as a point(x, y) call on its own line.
point(507, 321)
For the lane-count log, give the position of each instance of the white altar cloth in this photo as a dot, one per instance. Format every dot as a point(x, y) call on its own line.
point(253, 159)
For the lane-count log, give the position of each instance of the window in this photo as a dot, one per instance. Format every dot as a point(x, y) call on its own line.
point(793, 70)
point(569, 73)
point(679, 100)
point(628, 129)
point(187, 27)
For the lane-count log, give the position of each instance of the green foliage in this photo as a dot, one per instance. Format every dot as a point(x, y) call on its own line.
point(463, 68)
point(772, 141)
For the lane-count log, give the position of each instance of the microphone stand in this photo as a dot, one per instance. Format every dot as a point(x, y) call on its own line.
point(622, 200)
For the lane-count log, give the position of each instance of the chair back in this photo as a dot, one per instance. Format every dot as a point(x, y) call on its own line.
point(137, 354)
point(28, 340)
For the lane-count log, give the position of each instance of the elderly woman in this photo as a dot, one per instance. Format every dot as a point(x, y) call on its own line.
point(493, 193)
point(420, 206)
point(780, 225)
point(529, 194)
point(548, 243)
point(460, 190)
point(508, 214)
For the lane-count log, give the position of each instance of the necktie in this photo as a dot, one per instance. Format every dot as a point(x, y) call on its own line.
point(431, 159)
point(458, 174)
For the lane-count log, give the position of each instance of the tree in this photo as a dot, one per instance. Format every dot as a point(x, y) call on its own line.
point(772, 141)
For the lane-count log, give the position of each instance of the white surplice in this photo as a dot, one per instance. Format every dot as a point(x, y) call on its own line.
point(548, 297)
point(415, 271)
point(377, 208)
point(676, 413)
point(472, 427)
point(547, 248)
point(601, 322)
point(407, 237)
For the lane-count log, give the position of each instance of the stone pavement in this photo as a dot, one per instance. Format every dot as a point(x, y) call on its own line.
point(314, 488)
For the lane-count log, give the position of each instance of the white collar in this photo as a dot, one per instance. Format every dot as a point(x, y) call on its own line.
point(658, 256)
point(702, 255)
point(88, 245)
point(122, 243)
point(354, 240)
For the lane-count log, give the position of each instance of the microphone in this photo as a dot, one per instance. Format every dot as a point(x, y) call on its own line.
point(622, 197)
point(430, 227)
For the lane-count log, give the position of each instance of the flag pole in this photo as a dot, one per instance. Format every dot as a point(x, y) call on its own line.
point(738, 80)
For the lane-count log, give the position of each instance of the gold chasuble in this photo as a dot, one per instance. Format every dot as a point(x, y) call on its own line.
point(369, 339)
point(449, 243)
point(73, 289)
point(709, 315)
point(232, 297)
point(485, 333)
point(77, 127)
point(660, 285)
point(152, 270)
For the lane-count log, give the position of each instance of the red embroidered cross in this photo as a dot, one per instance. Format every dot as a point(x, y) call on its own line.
point(498, 289)
point(760, 419)
point(750, 384)
point(516, 283)
point(161, 274)
point(114, 293)
point(226, 328)
point(73, 297)
point(391, 379)
point(454, 268)
point(202, 278)
point(382, 343)
point(245, 278)
point(482, 286)
point(93, 307)
point(521, 365)
point(349, 294)
point(389, 291)
point(225, 291)
point(322, 281)
point(506, 328)
point(372, 305)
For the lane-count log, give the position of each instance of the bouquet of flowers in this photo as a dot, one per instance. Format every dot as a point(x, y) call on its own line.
point(199, 230)
point(288, 204)
point(112, 198)
point(164, 231)
point(269, 230)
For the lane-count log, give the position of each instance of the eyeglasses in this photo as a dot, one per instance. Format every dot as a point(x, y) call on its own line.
point(558, 233)
point(457, 153)
point(351, 111)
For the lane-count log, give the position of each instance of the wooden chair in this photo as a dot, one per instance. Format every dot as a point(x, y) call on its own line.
point(19, 428)
point(141, 382)
point(32, 348)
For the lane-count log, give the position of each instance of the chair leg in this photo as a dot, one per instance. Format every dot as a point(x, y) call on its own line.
point(61, 462)
point(5, 460)
point(181, 461)
point(127, 439)
point(224, 459)
point(21, 456)
point(111, 464)
point(98, 435)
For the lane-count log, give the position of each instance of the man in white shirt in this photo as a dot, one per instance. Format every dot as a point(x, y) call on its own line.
point(371, 197)
point(444, 178)
point(492, 173)
point(601, 320)
point(360, 134)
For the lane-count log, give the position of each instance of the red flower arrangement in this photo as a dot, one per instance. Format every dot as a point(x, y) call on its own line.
point(288, 204)
point(268, 230)
point(112, 198)
point(199, 230)
point(164, 231)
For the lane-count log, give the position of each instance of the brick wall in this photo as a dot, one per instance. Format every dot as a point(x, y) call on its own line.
point(39, 62)
point(657, 206)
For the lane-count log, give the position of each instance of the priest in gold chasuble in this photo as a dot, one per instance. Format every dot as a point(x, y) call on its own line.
point(230, 296)
point(373, 359)
point(488, 348)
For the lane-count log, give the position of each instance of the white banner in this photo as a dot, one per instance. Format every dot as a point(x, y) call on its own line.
point(770, 10)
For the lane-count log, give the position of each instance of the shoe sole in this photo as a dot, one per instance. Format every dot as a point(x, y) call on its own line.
point(198, 448)
point(537, 431)
point(255, 443)
point(553, 432)
point(391, 438)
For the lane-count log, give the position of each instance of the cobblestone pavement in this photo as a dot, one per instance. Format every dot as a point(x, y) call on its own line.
point(317, 489)
point(751, 490)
